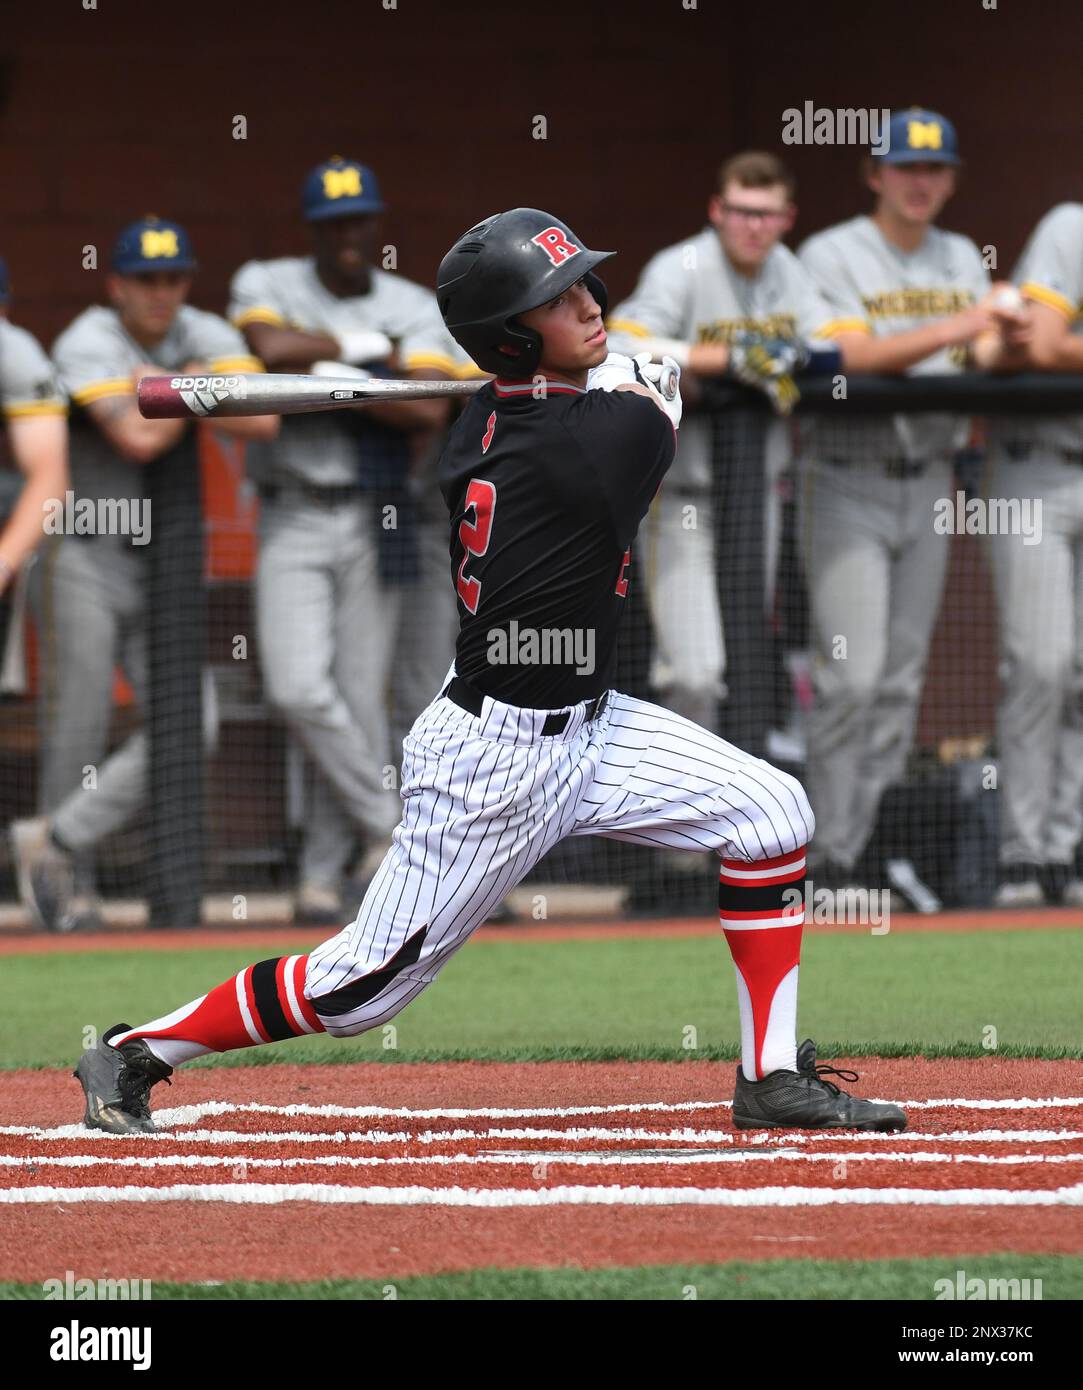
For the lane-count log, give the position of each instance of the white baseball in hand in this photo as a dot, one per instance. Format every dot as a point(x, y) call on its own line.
point(1009, 301)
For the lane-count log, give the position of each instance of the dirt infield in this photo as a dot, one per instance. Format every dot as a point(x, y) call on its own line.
point(22, 941)
point(377, 1170)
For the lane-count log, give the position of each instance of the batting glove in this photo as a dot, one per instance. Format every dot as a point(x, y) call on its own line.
point(611, 373)
point(769, 364)
point(659, 378)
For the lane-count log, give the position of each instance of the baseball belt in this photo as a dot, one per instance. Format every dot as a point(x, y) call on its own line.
point(333, 495)
point(469, 698)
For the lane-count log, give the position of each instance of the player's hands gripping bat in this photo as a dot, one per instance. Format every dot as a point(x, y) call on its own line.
point(662, 379)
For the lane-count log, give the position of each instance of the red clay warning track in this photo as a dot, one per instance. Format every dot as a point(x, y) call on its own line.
point(22, 941)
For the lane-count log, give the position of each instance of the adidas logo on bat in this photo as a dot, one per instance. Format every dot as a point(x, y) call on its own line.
point(202, 393)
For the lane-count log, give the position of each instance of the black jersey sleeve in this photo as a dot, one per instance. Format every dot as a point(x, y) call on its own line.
point(627, 444)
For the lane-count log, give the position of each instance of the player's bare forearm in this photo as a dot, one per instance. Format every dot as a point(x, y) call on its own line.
point(135, 438)
point(40, 449)
point(991, 352)
point(861, 352)
point(254, 427)
point(1053, 347)
point(414, 415)
point(1066, 356)
point(289, 349)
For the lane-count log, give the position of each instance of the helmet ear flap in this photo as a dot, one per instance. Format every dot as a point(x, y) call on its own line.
point(528, 341)
point(528, 349)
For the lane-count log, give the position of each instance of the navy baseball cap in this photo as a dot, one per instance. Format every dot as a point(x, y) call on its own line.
point(5, 283)
point(340, 188)
point(919, 136)
point(152, 244)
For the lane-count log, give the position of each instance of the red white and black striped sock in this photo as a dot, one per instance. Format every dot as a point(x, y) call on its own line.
point(761, 906)
point(263, 1003)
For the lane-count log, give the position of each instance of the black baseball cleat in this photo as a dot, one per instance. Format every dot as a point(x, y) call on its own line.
point(116, 1082)
point(803, 1099)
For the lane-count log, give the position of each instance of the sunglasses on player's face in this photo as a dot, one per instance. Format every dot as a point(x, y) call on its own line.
point(753, 214)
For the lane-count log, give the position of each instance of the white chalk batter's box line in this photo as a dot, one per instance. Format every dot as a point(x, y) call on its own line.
point(578, 1135)
point(188, 1114)
point(523, 1159)
point(273, 1194)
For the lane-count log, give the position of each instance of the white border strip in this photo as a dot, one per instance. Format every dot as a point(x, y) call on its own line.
point(188, 1114)
point(273, 1194)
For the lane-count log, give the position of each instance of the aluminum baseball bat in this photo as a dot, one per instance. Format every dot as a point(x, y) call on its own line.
point(280, 393)
point(277, 393)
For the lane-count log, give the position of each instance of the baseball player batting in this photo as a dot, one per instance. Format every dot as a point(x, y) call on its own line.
point(547, 475)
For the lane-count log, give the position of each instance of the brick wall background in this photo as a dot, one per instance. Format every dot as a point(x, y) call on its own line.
point(110, 112)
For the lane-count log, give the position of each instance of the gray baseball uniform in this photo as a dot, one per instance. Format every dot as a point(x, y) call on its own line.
point(28, 387)
point(875, 565)
point(28, 382)
point(90, 587)
point(691, 291)
point(1039, 580)
point(333, 633)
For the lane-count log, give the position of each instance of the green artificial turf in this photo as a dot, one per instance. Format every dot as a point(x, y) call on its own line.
point(1061, 1276)
point(937, 993)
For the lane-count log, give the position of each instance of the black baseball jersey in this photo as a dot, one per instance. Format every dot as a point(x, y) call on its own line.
point(546, 495)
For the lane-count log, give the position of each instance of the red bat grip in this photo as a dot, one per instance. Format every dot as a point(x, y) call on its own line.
point(158, 400)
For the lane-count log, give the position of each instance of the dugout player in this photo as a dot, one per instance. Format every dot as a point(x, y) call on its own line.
point(343, 618)
point(90, 582)
point(692, 301)
point(908, 297)
point(546, 482)
point(35, 418)
point(1039, 583)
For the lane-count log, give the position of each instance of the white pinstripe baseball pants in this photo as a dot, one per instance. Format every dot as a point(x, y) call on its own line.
point(485, 797)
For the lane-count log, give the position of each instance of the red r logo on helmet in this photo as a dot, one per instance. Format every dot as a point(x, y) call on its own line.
point(556, 245)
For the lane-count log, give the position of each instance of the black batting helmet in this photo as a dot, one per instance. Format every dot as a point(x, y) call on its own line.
point(504, 266)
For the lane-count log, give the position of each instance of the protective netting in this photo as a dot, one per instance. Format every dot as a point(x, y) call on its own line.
point(821, 601)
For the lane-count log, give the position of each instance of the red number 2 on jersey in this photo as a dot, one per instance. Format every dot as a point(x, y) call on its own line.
point(474, 537)
point(621, 588)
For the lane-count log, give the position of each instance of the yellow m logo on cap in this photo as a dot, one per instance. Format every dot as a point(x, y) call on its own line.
point(342, 183)
point(923, 135)
point(153, 244)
